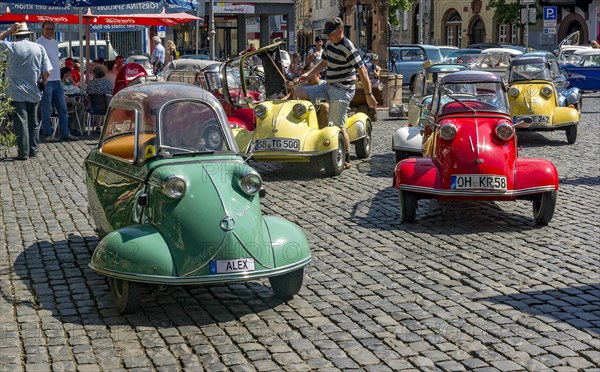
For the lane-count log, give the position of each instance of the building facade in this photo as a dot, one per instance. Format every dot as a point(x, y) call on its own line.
point(464, 22)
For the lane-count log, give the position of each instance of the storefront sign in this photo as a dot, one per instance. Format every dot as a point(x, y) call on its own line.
point(233, 8)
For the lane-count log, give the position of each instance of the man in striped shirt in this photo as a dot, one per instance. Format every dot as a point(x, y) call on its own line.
point(342, 61)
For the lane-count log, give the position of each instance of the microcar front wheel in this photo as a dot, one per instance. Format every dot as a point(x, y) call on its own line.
point(334, 161)
point(363, 145)
point(287, 285)
point(408, 206)
point(543, 208)
point(126, 295)
point(571, 134)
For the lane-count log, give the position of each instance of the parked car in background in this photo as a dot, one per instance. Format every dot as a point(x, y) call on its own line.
point(446, 50)
point(98, 49)
point(495, 60)
point(408, 59)
point(532, 95)
point(567, 53)
point(201, 56)
point(407, 140)
point(484, 46)
point(454, 55)
point(584, 71)
point(559, 79)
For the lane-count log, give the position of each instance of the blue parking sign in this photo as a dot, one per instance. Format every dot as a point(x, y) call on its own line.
point(550, 13)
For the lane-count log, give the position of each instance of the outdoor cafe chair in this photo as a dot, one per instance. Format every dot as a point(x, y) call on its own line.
point(98, 108)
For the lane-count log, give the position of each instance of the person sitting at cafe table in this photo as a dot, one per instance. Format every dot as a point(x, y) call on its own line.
point(73, 99)
point(100, 85)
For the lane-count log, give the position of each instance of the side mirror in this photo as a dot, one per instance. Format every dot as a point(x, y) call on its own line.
point(249, 102)
point(427, 120)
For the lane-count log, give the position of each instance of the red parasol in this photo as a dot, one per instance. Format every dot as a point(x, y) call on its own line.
point(162, 19)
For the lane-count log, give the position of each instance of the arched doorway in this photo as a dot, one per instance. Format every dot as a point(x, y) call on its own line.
point(478, 32)
point(571, 23)
point(452, 28)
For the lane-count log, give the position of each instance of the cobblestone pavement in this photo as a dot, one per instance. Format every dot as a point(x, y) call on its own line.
point(469, 286)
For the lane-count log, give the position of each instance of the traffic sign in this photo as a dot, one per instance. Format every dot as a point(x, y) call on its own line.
point(549, 30)
point(550, 13)
point(532, 15)
point(528, 2)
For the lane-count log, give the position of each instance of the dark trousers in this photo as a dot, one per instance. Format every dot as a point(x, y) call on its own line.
point(26, 127)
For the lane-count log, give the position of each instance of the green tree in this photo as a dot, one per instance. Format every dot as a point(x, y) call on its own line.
point(395, 5)
point(7, 138)
point(507, 13)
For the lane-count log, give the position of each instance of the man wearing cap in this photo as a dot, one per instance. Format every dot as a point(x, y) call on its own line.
point(158, 55)
point(54, 95)
point(26, 64)
point(342, 61)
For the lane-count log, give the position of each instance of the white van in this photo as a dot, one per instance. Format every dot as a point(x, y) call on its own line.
point(98, 49)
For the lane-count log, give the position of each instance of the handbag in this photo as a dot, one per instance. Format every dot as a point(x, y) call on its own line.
point(41, 85)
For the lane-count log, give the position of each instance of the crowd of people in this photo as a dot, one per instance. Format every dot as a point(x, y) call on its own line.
point(39, 87)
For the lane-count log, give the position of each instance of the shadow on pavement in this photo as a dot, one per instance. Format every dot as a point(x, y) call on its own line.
point(576, 306)
point(55, 278)
point(537, 139)
point(580, 181)
point(442, 218)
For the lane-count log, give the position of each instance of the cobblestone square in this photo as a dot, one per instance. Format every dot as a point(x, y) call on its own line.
point(469, 286)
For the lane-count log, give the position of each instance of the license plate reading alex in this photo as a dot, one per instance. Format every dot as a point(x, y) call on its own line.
point(477, 182)
point(231, 266)
point(277, 144)
point(536, 119)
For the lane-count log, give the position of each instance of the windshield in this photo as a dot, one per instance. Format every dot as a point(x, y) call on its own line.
point(533, 71)
point(465, 97)
point(190, 127)
point(496, 60)
point(589, 60)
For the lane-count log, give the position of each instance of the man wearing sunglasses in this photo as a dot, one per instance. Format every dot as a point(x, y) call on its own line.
point(54, 96)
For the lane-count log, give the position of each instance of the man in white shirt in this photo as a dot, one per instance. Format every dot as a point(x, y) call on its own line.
point(158, 55)
point(54, 95)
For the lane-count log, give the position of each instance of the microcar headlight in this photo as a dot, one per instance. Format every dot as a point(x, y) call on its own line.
point(260, 111)
point(513, 92)
point(174, 187)
point(299, 110)
point(251, 183)
point(448, 131)
point(546, 91)
point(505, 130)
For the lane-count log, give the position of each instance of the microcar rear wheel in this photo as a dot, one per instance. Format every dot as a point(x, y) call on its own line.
point(363, 145)
point(401, 155)
point(334, 161)
point(543, 208)
point(287, 285)
point(408, 206)
point(571, 134)
point(126, 295)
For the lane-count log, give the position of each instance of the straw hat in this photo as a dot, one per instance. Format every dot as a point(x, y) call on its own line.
point(23, 29)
